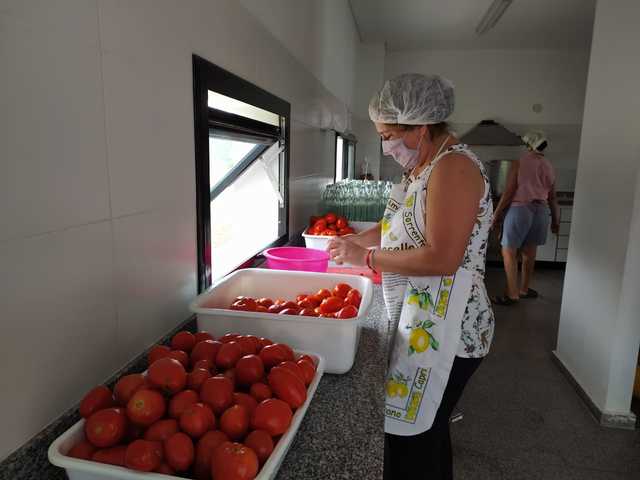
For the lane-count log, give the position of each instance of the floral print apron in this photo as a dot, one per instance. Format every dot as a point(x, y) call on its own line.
point(427, 312)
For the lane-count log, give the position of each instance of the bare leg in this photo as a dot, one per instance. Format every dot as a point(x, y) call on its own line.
point(510, 257)
point(528, 264)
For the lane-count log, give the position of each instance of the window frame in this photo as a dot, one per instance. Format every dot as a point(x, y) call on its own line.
point(207, 76)
point(347, 140)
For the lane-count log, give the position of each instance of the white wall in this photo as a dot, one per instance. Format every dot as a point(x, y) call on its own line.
point(503, 85)
point(97, 202)
point(599, 329)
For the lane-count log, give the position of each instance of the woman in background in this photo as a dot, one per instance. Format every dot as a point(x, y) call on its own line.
point(530, 203)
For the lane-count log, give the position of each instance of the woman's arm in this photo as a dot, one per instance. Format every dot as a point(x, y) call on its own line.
point(368, 238)
point(454, 191)
point(509, 192)
point(553, 205)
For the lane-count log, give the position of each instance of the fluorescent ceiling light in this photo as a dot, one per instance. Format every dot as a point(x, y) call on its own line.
point(492, 15)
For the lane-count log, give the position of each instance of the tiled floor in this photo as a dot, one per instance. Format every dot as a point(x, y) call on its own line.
point(522, 419)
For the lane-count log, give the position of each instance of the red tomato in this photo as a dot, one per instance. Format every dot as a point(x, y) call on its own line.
point(181, 401)
point(201, 336)
point(315, 300)
point(329, 233)
point(228, 355)
point(179, 452)
point(293, 368)
point(231, 375)
point(260, 391)
point(143, 455)
point(204, 451)
point(245, 304)
point(287, 386)
point(167, 374)
point(146, 407)
point(323, 293)
point(111, 456)
point(265, 302)
point(299, 298)
point(105, 428)
point(249, 344)
point(353, 298)
point(331, 304)
point(165, 469)
point(83, 450)
point(313, 219)
point(196, 378)
point(127, 386)
point(332, 226)
point(234, 461)
point(341, 290)
point(347, 312)
point(217, 393)
point(280, 301)
point(272, 415)
point(348, 231)
point(288, 350)
point(328, 315)
point(205, 350)
point(229, 337)
point(235, 422)
point(134, 432)
point(261, 443)
point(204, 363)
point(308, 312)
point(261, 309)
point(158, 352)
point(96, 399)
point(308, 359)
point(196, 420)
point(308, 372)
point(275, 308)
point(321, 224)
point(290, 311)
point(341, 222)
point(183, 341)
point(305, 304)
point(249, 370)
point(180, 356)
point(247, 401)
point(161, 430)
point(273, 355)
point(330, 217)
point(263, 342)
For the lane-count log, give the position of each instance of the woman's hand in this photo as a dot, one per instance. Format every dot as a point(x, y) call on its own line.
point(341, 250)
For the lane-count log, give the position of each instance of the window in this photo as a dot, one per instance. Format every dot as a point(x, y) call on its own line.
point(345, 156)
point(242, 164)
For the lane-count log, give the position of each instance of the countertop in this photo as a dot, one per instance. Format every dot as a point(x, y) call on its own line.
point(341, 436)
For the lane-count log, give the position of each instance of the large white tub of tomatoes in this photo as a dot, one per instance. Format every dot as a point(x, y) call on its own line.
point(317, 312)
point(224, 409)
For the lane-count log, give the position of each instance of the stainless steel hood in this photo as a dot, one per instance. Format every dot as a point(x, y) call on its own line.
point(489, 132)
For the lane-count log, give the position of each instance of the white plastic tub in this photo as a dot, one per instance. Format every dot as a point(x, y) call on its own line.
point(86, 470)
point(320, 242)
point(335, 340)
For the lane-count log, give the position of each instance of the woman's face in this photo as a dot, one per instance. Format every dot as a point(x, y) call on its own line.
point(411, 136)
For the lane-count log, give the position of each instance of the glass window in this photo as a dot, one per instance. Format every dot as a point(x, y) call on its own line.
point(345, 157)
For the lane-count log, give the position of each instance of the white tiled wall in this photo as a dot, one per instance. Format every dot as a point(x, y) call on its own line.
point(97, 182)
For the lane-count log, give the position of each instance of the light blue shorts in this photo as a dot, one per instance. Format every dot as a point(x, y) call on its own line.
point(526, 225)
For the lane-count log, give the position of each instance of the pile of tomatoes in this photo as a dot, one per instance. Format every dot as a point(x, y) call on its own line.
point(341, 302)
point(329, 225)
point(204, 409)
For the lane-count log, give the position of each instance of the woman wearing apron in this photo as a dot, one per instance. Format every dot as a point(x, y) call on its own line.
point(430, 247)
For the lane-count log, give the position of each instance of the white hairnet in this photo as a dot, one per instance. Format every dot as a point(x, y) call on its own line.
point(413, 99)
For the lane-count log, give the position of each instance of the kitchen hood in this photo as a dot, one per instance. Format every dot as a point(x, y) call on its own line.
point(489, 132)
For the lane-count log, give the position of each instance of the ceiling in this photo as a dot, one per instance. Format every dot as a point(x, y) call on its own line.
point(450, 24)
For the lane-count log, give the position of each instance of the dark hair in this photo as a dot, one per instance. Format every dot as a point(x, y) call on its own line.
point(542, 146)
point(435, 129)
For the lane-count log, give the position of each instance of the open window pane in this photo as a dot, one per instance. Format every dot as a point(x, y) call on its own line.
point(339, 158)
point(239, 232)
point(224, 155)
point(231, 105)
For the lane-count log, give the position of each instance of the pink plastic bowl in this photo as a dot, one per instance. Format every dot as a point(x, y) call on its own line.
point(297, 258)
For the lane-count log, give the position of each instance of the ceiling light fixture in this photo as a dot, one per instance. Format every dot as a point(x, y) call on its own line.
point(492, 15)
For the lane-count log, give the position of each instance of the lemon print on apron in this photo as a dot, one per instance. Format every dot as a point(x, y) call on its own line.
point(397, 385)
point(421, 337)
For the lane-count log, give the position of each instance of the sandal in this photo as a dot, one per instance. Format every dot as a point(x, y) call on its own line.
point(505, 301)
point(531, 293)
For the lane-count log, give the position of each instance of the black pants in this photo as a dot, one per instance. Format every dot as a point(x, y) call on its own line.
point(428, 455)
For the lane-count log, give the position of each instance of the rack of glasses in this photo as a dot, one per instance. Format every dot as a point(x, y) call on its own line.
point(357, 200)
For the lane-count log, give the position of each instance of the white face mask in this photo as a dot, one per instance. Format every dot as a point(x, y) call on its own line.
point(405, 156)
